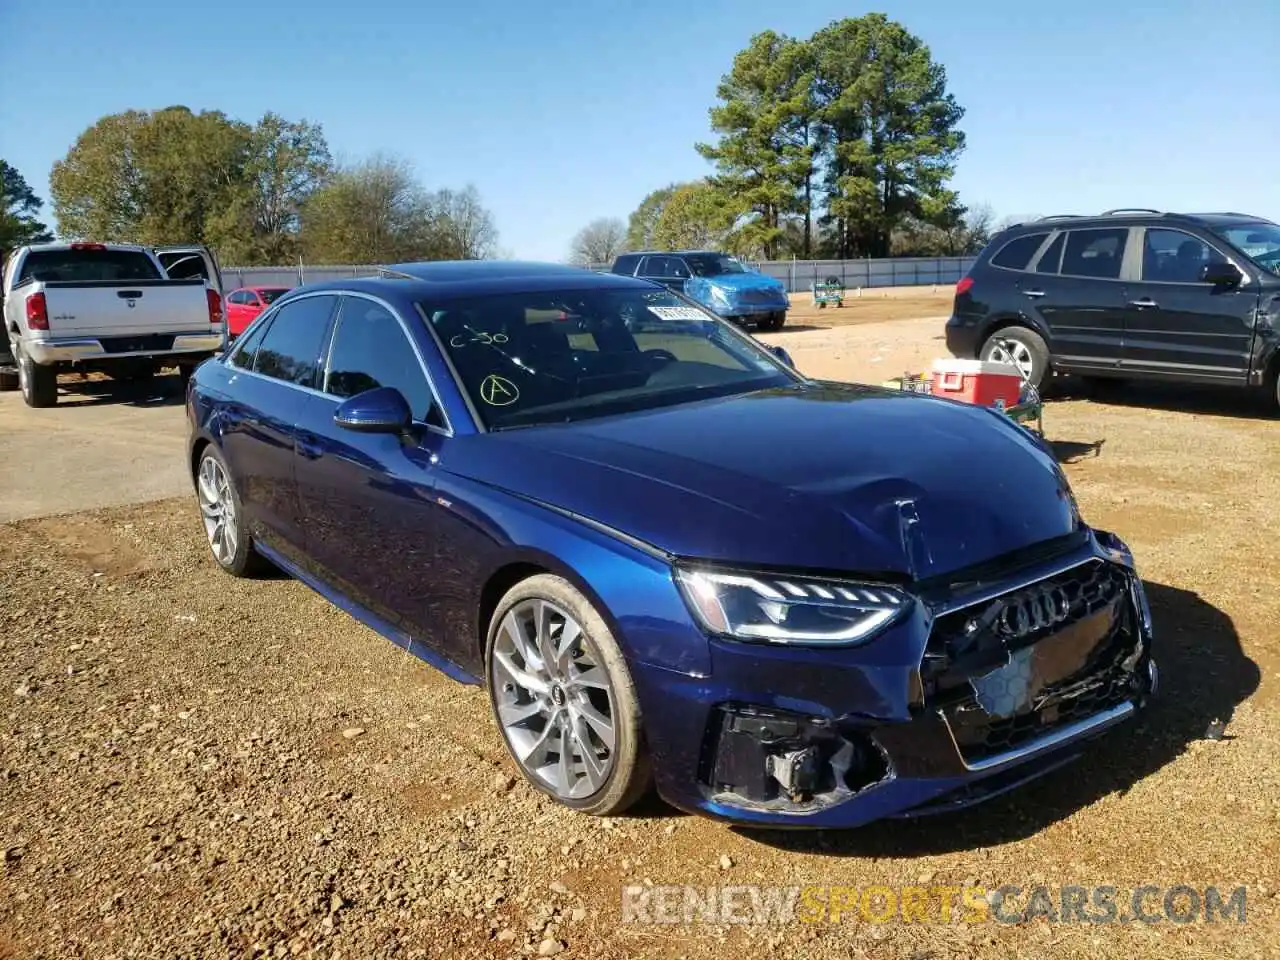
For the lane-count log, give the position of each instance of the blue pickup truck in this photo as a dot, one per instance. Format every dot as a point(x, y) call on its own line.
point(716, 280)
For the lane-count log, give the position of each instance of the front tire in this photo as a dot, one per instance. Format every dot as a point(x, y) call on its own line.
point(564, 700)
point(774, 321)
point(1022, 347)
point(221, 513)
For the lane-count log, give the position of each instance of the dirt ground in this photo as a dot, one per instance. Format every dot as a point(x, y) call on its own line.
point(192, 765)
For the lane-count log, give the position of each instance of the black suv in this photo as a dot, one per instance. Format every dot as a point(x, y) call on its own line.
point(1128, 293)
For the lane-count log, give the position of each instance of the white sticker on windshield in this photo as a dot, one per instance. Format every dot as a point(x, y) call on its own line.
point(678, 313)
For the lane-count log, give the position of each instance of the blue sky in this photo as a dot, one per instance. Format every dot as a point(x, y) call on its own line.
point(564, 111)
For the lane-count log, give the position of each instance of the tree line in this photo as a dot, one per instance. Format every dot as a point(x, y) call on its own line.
point(258, 193)
point(837, 146)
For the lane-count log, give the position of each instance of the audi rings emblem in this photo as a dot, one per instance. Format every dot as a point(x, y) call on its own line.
point(1032, 611)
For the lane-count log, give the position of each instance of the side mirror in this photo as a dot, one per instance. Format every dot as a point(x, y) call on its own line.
point(782, 355)
point(1221, 274)
point(380, 410)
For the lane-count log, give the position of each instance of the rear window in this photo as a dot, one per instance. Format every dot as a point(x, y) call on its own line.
point(1017, 253)
point(87, 266)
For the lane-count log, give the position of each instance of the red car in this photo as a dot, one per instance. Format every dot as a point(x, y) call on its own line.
point(244, 305)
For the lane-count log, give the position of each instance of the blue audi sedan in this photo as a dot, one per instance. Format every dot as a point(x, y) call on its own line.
point(672, 561)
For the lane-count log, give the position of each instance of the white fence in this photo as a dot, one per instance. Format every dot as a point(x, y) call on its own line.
point(798, 275)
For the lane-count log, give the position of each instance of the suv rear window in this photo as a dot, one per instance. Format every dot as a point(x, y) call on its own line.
point(1017, 253)
point(86, 266)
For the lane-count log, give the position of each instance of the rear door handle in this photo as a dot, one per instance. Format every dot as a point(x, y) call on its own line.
point(1033, 294)
point(1146, 303)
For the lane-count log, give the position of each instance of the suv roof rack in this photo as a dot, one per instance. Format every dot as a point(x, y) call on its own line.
point(1122, 210)
point(1059, 216)
point(387, 273)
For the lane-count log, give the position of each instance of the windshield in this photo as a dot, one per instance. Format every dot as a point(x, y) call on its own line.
point(552, 357)
point(269, 295)
point(1260, 242)
point(713, 264)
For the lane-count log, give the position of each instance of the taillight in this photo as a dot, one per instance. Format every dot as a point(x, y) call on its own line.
point(965, 284)
point(89, 246)
point(37, 312)
point(215, 306)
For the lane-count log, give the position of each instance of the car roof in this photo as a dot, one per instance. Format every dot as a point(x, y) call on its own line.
point(1130, 216)
point(675, 253)
point(464, 278)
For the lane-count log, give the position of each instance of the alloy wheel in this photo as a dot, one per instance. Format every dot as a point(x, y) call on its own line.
point(218, 510)
point(554, 699)
point(1006, 350)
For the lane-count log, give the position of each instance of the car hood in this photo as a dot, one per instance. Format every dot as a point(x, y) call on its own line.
point(742, 281)
point(812, 477)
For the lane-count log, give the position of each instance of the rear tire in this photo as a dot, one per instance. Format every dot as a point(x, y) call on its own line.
point(215, 492)
point(1021, 346)
point(544, 678)
point(39, 384)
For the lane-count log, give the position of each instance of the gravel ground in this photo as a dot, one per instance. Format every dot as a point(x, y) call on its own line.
point(192, 765)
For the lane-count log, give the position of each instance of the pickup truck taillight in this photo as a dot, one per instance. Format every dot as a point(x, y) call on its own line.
point(215, 306)
point(37, 312)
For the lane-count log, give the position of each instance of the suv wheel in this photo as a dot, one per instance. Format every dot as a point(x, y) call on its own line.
point(1023, 348)
point(564, 699)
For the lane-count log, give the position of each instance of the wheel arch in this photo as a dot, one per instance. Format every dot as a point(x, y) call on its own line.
point(517, 567)
point(1005, 320)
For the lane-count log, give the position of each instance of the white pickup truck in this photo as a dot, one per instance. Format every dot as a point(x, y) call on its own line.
point(122, 309)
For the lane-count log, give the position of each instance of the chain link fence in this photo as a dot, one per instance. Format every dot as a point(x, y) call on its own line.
point(798, 275)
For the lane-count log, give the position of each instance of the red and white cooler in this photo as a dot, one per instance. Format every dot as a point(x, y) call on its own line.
point(983, 382)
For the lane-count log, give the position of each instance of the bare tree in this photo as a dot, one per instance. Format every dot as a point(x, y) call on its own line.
point(599, 241)
point(464, 228)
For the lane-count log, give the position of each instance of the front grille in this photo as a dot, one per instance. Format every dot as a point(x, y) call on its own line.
point(150, 343)
point(758, 297)
point(1003, 685)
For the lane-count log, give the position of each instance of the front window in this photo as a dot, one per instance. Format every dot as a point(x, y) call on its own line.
point(1260, 242)
point(553, 357)
point(714, 264)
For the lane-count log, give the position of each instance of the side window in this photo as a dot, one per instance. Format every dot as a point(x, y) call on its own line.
point(1017, 253)
point(238, 297)
point(245, 350)
point(370, 350)
point(1173, 256)
point(657, 267)
point(1051, 259)
point(679, 268)
point(290, 349)
point(1095, 253)
point(626, 264)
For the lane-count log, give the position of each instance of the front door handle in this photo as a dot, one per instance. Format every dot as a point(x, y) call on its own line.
point(1146, 303)
point(1033, 294)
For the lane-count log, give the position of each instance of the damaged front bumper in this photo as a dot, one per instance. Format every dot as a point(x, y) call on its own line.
point(985, 686)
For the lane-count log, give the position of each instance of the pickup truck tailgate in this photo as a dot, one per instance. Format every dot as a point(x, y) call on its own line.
point(114, 309)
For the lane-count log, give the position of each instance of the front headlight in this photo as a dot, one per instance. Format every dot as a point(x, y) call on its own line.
point(793, 610)
point(718, 295)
